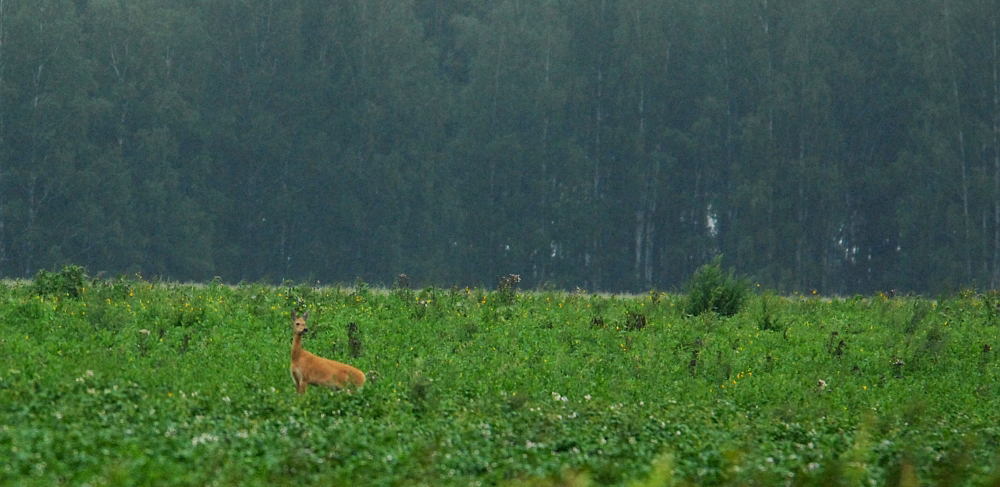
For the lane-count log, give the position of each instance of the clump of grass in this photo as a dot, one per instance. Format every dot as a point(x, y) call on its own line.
point(712, 290)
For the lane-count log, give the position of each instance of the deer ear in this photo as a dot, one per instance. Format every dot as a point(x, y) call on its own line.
point(305, 316)
point(293, 314)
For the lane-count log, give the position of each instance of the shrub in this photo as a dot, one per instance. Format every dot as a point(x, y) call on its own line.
point(68, 282)
point(711, 289)
point(507, 290)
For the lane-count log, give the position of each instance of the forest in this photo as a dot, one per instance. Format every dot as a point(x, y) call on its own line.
point(819, 146)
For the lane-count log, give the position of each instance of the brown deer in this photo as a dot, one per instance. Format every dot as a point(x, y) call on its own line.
point(307, 368)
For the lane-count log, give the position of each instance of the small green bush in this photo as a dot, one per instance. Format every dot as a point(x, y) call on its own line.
point(68, 282)
point(711, 289)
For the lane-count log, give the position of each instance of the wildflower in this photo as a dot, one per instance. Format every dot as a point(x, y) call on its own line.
point(204, 438)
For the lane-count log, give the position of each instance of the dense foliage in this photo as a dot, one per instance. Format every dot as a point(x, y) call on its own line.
point(151, 383)
point(712, 290)
point(835, 145)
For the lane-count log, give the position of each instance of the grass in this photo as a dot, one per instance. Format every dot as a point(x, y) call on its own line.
point(131, 382)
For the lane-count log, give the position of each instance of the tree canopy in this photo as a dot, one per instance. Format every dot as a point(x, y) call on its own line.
point(838, 145)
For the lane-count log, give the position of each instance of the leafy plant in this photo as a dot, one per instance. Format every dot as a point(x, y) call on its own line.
point(634, 321)
point(69, 282)
point(767, 319)
point(354, 339)
point(712, 290)
point(469, 396)
point(507, 289)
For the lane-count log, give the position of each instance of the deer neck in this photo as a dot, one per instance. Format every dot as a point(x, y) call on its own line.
point(296, 346)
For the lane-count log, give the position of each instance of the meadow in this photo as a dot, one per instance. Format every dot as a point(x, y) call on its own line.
point(127, 381)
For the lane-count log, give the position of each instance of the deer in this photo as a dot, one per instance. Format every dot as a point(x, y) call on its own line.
point(307, 368)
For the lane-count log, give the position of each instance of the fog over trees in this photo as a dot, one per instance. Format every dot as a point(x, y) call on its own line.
point(843, 146)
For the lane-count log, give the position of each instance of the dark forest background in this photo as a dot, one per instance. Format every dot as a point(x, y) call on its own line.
point(843, 146)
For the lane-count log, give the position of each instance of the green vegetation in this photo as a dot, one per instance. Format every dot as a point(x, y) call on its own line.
point(712, 290)
point(131, 382)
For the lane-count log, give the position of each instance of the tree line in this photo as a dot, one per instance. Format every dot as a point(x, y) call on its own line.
point(841, 146)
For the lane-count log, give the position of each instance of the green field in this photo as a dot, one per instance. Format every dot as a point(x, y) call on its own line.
point(132, 382)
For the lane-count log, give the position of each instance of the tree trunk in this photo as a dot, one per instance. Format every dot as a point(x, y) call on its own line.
point(3, 189)
point(996, 155)
point(961, 142)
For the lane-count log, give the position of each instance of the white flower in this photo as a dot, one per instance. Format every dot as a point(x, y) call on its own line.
point(204, 438)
